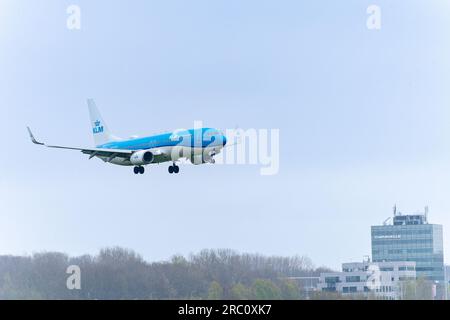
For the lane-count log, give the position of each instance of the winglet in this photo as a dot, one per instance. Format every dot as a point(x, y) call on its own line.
point(33, 139)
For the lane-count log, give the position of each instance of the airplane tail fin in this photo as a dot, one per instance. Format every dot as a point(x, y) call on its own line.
point(100, 129)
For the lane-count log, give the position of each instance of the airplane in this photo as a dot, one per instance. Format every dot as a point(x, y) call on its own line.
point(198, 145)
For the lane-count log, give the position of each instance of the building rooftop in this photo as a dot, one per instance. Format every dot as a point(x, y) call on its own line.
point(410, 219)
point(365, 265)
point(400, 219)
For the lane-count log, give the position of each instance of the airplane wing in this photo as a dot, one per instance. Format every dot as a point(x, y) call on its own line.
point(93, 152)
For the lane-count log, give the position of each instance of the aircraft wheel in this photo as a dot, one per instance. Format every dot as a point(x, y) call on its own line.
point(141, 170)
point(176, 169)
point(136, 170)
point(170, 169)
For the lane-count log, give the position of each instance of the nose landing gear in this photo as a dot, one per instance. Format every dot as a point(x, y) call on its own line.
point(174, 169)
point(138, 170)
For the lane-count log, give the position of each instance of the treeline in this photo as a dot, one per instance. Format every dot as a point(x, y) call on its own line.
point(117, 273)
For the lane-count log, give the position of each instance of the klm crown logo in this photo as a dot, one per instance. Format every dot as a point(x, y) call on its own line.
point(97, 128)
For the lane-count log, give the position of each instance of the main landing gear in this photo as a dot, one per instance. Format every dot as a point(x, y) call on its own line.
point(174, 169)
point(139, 169)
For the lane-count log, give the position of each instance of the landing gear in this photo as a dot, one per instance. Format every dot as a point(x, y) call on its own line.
point(140, 170)
point(174, 169)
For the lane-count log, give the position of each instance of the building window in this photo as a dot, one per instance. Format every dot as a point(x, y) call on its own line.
point(332, 279)
point(386, 269)
point(352, 279)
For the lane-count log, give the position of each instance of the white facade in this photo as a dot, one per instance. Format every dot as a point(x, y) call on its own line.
point(382, 279)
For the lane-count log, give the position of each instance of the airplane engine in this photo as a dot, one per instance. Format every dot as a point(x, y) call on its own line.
point(142, 157)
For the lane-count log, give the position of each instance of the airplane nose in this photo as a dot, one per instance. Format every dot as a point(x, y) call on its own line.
point(224, 139)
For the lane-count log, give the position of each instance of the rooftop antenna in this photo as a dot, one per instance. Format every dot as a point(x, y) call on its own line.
point(395, 210)
point(426, 214)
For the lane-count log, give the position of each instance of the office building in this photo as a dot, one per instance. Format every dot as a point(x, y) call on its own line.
point(381, 280)
point(411, 238)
